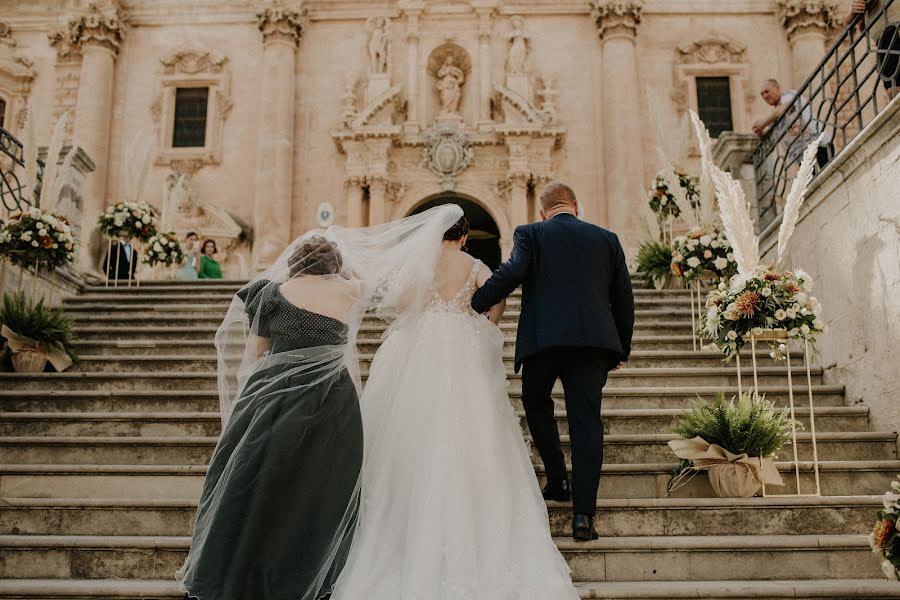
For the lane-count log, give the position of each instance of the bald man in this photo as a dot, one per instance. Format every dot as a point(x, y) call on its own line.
point(576, 325)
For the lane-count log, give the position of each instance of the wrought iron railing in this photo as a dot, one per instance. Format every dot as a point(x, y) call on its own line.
point(13, 194)
point(853, 82)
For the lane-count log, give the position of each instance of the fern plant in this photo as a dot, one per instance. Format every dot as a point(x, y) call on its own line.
point(45, 325)
point(748, 425)
point(654, 261)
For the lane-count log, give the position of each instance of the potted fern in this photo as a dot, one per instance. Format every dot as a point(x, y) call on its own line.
point(734, 442)
point(36, 334)
point(654, 260)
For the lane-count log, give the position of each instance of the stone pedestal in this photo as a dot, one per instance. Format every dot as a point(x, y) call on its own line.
point(733, 153)
point(281, 29)
point(70, 203)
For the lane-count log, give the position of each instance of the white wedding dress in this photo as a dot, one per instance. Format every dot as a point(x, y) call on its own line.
point(450, 507)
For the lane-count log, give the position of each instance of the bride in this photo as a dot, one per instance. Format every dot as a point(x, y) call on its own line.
point(450, 508)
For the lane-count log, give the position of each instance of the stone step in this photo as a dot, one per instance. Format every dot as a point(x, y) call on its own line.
point(179, 361)
point(196, 400)
point(838, 478)
point(648, 558)
point(843, 589)
point(184, 423)
point(196, 450)
point(199, 380)
point(653, 447)
point(615, 517)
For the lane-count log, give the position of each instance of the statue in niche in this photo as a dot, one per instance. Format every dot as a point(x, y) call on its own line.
point(379, 45)
point(450, 81)
point(518, 48)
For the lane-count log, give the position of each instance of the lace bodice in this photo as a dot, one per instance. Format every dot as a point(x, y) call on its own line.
point(461, 301)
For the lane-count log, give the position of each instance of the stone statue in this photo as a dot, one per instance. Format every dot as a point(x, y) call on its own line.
point(518, 48)
point(379, 45)
point(449, 86)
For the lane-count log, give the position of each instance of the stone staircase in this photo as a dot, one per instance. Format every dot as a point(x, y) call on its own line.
point(101, 466)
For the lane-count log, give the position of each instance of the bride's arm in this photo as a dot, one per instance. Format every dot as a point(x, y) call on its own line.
point(258, 345)
point(496, 312)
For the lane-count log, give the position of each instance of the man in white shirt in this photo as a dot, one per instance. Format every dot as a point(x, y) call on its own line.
point(803, 129)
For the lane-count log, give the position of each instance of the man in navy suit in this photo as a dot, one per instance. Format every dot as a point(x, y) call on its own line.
point(576, 325)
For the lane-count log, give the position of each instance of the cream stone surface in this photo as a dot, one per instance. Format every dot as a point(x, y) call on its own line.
point(848, 239)
point(334, 100)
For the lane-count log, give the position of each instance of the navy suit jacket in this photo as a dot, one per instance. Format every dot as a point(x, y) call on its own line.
point(576, 289)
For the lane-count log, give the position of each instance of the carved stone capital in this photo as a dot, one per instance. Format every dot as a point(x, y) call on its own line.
point(100, 27)
point(799, 17)
point(617, 17)
point(278, 22)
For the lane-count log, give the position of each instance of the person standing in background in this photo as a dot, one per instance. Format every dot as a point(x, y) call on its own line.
point(190, 266)
point(120, 262)
point(209, 267)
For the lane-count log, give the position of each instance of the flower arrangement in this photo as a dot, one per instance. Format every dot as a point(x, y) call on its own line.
point(135, 220)
point(758, 298)
point(662, 200)
point(735, 441)
point(770, 300)
point(37, 236)
point(36, 334)
point(163, 248)
point(654, 259)
point(702, 252)
point(884, 539)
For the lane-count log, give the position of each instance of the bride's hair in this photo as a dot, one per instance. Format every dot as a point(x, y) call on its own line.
point(315, 256)
point(459, 230)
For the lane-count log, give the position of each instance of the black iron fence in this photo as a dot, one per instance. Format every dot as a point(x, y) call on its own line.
point(13, 194)
point(856, 79)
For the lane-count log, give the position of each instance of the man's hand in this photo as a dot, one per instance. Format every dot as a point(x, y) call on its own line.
point(857, 6)
point(620, 365)
point(759, 128)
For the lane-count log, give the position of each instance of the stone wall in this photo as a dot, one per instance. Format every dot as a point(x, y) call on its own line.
point(848, 239)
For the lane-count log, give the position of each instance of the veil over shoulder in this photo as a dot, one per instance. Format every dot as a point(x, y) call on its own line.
point(280, 500)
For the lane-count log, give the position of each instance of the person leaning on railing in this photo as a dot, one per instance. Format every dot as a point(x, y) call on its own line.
point(803, 128)
point(882, 19)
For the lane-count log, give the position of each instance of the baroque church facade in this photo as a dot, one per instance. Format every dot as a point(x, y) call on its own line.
point(274, 117)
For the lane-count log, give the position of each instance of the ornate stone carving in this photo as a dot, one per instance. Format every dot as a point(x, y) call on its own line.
point(280, 22)
point(379, 47)
point(65, 96)
point(517, 50)
point(17, 73)
point(6, 38)
point(190, 60)
point(448, 152)
point(549, 94)
point(711, 49)
point(803, 16)
point(348, 100)
point(103, 25)
point(617, 17)
point(65, 41)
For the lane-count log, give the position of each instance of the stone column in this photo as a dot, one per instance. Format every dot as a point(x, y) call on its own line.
point(99, 35)
point(412, 10)
point(355, 217)
point(272, 206)
point(377, 195)
point(518, 199)
point(484, 64)
point(807, 23)
point(617, 23)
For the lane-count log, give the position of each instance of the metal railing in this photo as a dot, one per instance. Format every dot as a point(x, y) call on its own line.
point(853, 82)
point(13, 195)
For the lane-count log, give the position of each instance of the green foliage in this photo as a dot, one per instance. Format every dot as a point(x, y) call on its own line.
point(43, 324)
point(749, 425)
point(654, 261)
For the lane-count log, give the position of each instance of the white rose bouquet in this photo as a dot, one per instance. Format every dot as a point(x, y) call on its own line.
point(661, 199)
point(884, 539)
point(35, 235)
point(136, 220)
point(163, 248)
point(769, 300)
point(702, 252)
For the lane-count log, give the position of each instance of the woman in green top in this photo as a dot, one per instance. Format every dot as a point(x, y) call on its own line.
point(208, 267)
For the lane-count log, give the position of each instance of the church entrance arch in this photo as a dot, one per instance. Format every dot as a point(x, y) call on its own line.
point(484, 235)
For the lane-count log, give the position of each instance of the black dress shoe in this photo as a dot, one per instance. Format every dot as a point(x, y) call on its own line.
point(557, 490)
point(583, 528)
